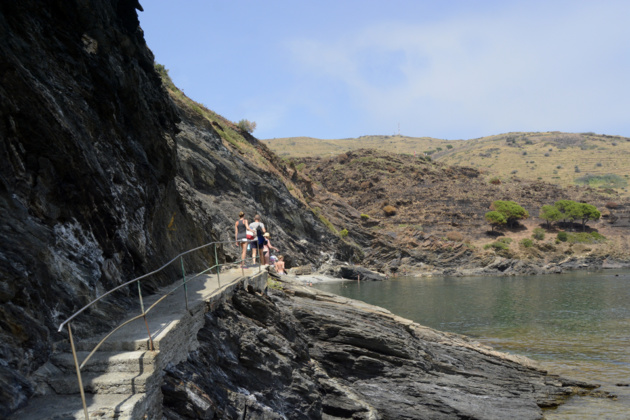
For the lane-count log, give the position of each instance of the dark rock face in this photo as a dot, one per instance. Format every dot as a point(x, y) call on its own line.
point(302, 354)
point(103, 178)
point(88, 161)
point(215, 184)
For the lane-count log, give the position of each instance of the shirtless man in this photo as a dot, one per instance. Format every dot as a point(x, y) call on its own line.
point(280, 265)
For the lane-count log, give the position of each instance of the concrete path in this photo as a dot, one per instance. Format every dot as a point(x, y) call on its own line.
point(122, 379)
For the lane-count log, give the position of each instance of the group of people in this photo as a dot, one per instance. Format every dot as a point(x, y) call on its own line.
point(254, 236)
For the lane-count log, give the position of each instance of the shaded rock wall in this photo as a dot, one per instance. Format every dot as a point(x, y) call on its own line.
point(88, 161)
point(104, 178)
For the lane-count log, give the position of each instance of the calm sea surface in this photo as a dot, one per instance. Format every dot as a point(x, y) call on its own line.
point(576, 325)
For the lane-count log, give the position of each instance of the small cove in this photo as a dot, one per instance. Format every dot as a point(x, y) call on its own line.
point(575, 325)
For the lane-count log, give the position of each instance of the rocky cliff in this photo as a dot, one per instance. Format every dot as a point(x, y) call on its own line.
point(103, 177)
point(299, 353)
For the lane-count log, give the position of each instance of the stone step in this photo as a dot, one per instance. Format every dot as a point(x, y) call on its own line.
point(70, 407)
point(132, 361)
point(105, 383)
point(116, 382)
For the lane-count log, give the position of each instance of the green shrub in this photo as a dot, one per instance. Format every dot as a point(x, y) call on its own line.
point(343, 233)
point(526, 243)
point(605, 181)
point(539, 234)
point(586, 238)
point(365, 216)
point(497, 246)
point(274, 284)
point(247, 126)
point(562, 236)
point(504, 240)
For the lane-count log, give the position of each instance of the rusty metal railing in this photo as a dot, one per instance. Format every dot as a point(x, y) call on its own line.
point(144, 312)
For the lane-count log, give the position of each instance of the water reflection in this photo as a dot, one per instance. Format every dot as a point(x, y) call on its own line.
point(575, 324)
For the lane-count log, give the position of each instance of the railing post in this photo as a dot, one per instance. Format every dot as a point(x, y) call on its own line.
point(76, 365)
point(216, 262)
point(185, 285)
point(144, 315)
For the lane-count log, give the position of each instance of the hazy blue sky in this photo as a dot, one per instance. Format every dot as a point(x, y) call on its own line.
point(439, 68)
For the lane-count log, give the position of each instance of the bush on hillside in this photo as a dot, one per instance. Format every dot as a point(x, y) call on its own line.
point(497, 246)
point(389, 210)
point(526, 243)
point(606, 181)
point(538, 234)
point(585, 238)
point(246, 126)
point(562, 236)
point(454, 236)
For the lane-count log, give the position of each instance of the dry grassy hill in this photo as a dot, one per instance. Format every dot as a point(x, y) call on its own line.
point(600, 161)
point(311, 147)
point(400, 200)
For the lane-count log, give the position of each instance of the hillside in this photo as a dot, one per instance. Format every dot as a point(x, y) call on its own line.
point(436, 212)
point(311, 147)
point(600, 161)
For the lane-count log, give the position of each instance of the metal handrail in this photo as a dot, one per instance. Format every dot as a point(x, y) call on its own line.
point(134, 280)
point(145, 312)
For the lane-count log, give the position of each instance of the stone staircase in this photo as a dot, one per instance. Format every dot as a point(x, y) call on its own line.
point(123, 378)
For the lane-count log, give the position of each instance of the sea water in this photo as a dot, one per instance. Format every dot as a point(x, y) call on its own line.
point(575, 325)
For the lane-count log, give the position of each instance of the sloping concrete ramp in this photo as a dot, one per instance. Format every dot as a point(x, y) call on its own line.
point(122, 380)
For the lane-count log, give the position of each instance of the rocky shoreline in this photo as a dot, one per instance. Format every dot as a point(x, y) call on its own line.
point(301, 353)
point(500, 266)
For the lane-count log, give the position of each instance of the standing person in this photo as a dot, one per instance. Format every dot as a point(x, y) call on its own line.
point(280, 265)
point(240, 235)
point(267, 247)
point(257, 226)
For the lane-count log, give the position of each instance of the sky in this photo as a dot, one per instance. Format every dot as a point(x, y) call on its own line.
point(446, 69)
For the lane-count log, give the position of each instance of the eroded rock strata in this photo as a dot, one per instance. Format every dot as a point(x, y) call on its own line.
point(299, 353)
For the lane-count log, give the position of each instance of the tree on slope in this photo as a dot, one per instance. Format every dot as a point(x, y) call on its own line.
point(571, 210)
point(550, 214)
point(510, 210)
point(495, 219)
point(585, 212)
point(565, 207)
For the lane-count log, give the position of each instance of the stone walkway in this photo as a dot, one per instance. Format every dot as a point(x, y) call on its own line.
point(123, 378)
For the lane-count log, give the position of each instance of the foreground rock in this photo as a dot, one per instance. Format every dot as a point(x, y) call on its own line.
point(299, 353)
